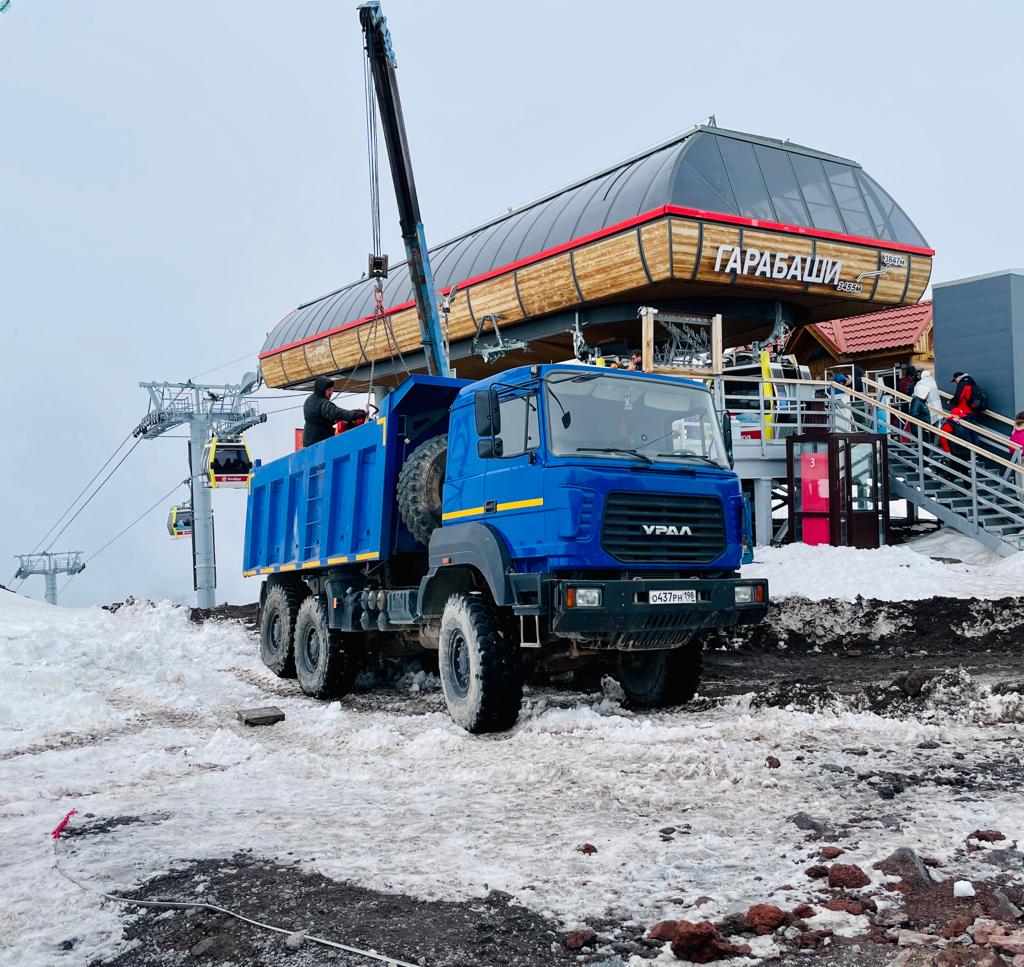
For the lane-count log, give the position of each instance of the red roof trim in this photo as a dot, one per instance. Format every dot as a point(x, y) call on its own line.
point(872, 332)
point(651, 215)
point(799, 230)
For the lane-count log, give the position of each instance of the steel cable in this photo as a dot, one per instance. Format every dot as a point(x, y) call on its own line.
point(125, 530)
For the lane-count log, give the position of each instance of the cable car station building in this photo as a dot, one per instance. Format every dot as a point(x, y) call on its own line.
point(760, 231)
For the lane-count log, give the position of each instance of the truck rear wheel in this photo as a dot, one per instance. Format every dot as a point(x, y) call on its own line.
point(326, 665)
point(656, 679)
point(277, 628)
point(420, 483)
point(481, 673)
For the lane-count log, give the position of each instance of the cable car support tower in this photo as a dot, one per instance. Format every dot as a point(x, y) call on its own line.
point(209, 411)
point(49, 565)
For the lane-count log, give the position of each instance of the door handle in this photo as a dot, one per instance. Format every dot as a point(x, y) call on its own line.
point(490, 506)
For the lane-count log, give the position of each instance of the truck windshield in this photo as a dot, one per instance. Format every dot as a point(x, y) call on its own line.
point(632, 418)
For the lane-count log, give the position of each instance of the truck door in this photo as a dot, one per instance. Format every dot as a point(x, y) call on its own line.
point(466, 471)
point(514, 486)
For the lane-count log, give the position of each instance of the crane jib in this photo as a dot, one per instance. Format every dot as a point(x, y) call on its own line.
point(381, 59)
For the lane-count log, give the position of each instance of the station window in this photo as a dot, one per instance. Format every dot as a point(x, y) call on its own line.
point(519, 425)
point(849, 198)
point(746, 180)
point(782, 185)
point(817, 193)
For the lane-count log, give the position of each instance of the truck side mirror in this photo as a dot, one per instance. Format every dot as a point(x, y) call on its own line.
point(488, 416)
point(727, 437)
point(490, 447)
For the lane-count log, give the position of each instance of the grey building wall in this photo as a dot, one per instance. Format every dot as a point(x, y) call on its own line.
point(979, 328)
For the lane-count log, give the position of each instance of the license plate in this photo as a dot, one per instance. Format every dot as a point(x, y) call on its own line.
point(672, 597)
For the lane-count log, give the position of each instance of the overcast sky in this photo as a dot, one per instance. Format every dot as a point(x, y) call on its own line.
point(177, 176)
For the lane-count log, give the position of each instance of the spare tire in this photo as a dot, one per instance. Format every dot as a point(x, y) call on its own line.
point(420, 486)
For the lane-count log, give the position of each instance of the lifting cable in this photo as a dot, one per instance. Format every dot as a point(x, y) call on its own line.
point(373, 156)
point(373, 169)
point(208, 907)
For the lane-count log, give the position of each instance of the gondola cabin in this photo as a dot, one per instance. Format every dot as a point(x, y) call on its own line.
point(228, 463)
point(179, 521)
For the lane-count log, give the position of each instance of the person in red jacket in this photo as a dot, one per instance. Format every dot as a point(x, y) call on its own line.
point(959, 409)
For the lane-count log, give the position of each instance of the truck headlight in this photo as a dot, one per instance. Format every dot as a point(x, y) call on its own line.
point(583, 598)
point(749, 593)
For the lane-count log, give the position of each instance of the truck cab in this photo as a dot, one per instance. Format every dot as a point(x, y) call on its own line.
point(546, 517)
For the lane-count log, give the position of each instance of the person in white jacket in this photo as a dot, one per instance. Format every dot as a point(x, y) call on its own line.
point(927, 390)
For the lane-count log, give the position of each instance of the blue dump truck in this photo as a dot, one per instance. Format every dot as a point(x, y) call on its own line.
point(541, 519)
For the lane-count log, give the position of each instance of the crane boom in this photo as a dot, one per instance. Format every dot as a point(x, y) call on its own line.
point(381, 58)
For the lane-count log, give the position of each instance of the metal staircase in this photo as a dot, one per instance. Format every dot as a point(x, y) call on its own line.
point(977, 490)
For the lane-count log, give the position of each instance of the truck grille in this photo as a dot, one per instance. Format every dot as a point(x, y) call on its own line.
point(663, 528)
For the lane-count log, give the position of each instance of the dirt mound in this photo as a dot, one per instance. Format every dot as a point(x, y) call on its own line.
point(246, 613)
point(951, 691)
point(933, 623)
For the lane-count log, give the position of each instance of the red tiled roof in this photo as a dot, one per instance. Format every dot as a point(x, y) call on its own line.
point(889, 329)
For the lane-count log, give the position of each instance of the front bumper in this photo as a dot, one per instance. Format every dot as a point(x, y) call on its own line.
point(627, 621)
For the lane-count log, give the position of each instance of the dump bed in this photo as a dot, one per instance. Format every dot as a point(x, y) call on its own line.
point(334, 503)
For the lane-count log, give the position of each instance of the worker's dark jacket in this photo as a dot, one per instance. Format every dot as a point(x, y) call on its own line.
point(321, 414)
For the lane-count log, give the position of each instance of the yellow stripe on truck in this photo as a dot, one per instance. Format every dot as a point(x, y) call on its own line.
point(520, 504)
point(509, 505)
point(468, 512)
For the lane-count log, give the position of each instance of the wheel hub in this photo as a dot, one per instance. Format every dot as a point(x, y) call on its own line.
point(276, 633)
point(311, 648)
point(458, 664)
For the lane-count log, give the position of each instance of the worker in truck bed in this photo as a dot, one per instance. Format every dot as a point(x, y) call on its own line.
point(321, 414)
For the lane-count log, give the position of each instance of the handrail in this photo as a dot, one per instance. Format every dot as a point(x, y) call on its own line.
point(877, 404)
point(976, 427)
point(931, 428)
point(974, 488)
point(894, 372)
point(999, 417)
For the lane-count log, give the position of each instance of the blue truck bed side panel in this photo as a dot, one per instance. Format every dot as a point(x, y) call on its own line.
point(334, 503)
point(318, 503)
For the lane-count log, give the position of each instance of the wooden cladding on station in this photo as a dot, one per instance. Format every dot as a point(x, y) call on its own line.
point(687, 253)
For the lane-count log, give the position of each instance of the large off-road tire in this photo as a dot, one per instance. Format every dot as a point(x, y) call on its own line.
point(481, 671)
point(420, 483)
point(277, 628)
point(326, 663)
point(656, 679)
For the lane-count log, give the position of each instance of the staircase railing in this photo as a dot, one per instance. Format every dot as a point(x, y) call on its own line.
point(973, 488)
point(978, 429)
point(978, 491)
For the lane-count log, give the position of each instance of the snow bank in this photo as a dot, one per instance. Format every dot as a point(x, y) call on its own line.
point(131, 715)
point(899, 573)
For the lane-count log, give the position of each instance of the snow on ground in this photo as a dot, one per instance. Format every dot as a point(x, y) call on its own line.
point(906, 572)
point(132, 715)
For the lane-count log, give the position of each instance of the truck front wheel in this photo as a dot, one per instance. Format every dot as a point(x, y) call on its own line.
point(277, 628)
point(656, 679)
point(481, 673)
point(326, 664)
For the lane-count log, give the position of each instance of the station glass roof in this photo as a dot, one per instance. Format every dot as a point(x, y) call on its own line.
point(708, 168)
